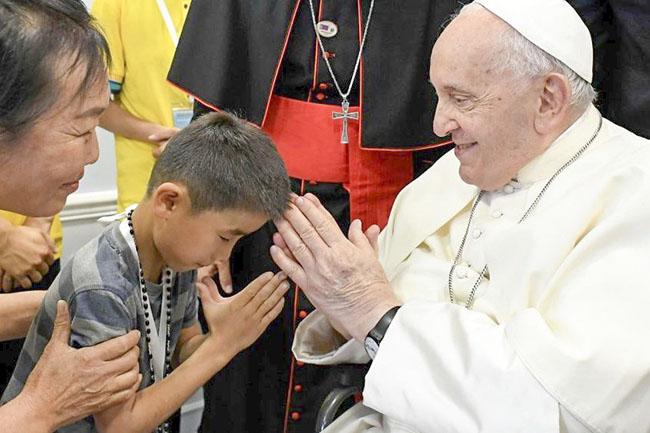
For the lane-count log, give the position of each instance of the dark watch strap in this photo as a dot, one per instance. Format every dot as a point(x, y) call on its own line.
point(376, 334)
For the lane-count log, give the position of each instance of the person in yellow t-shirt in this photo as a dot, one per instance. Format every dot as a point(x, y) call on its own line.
point(146, 111)
point(30, 260)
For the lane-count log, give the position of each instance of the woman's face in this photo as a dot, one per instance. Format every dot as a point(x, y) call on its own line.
point(45, 164)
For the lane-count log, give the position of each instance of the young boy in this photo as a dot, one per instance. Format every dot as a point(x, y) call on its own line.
point(218, 180)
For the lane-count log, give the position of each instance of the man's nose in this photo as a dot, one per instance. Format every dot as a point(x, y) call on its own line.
point(443, 123)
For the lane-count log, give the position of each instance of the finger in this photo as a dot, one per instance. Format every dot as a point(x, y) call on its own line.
point(225, 279)
point(312, 226)
point(207, 294)
point(294, 243)
point(2, 273)
point(358, 238)
point(288, 265)
point(122, 396)
point(160, 137)
point(43, 268)
point(273, 298)
point(373, 237)
point(278, 240)
point(312, 198)
point(126, 380)
point(265, 293)
point(7, 282)
point(124, 364)
point(34, 276)
point(24, 281)
point(49, 260)
point(244, 297)
point(50, 242)
point(116, 347)
point(61, 331)
point(273, 313)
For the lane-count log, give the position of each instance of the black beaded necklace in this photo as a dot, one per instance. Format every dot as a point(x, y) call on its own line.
point(150, 321)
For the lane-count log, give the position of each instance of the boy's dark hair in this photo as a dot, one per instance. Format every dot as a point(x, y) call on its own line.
point(225, 163)
point(35, 37)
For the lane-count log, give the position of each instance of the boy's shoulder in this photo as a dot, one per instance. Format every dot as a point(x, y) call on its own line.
point(105, 263)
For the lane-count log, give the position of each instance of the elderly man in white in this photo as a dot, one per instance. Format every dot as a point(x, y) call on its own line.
point(513, 289)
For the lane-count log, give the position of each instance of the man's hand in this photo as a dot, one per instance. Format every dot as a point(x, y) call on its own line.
point(25, 256)
point(341, 276)
point(236, 322)
point(161, 137)
point(221, 268)
point(69, 384)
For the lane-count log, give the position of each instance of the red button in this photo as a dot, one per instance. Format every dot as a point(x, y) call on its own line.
point(302, 314)
point(295, 416)
point(300, 363)
point(329, 54)
point(320, 96)
point(297, 388)
point(323, 86)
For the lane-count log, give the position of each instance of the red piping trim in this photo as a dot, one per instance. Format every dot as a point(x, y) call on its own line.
point(410, 149)
point(277, 67)
point(288, 404)
point(207, 104)
point(293, 359)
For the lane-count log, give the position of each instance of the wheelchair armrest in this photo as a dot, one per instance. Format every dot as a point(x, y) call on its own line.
point(332, 404)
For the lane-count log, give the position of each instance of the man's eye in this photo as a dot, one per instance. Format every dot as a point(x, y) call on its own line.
point(224, 239)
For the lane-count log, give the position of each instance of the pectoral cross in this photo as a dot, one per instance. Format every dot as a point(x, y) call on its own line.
point(345, 116)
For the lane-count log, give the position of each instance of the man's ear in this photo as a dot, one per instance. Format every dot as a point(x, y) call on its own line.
point(554, 103)
point(167, 198)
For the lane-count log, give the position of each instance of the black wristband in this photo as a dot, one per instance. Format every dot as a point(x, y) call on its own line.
point(376, 334)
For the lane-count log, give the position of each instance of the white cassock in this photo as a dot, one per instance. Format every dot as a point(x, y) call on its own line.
point(558, 339)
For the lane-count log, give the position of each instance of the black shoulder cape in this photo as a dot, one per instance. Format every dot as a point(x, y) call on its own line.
point(230, 51)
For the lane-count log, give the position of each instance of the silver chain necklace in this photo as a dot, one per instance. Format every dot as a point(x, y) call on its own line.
point(345, 104)
point(470, 298)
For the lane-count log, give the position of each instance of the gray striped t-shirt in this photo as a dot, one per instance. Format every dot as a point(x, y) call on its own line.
point(101, 286)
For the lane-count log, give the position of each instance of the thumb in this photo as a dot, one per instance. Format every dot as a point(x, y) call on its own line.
point(373, 237)
point(61, 332)
point(208, 291)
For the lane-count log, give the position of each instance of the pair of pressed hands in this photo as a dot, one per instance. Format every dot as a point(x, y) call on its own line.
point(237, 321)
point(26, 253)
point(342, 277)
point(69, 384)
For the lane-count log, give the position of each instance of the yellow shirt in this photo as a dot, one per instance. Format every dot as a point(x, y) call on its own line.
point(56, 231)
point(142, 51)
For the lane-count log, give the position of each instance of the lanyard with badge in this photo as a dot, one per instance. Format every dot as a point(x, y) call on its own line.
point(181, 115)
point(158, 340)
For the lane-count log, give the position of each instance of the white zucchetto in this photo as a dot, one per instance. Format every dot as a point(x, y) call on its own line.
point(552, 25)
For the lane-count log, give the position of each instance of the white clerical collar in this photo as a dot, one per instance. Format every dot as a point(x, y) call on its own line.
point(562, 149)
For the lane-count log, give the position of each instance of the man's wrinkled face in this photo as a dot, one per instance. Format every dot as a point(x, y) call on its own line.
point(489, 115)
point(46, 163)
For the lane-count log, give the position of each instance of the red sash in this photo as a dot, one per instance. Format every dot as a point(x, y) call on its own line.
point(309, 141)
